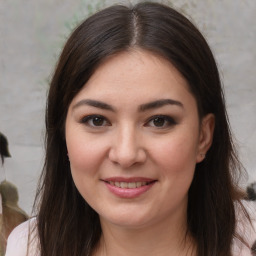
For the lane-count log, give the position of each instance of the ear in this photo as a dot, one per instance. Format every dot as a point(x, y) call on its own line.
point(206, 136)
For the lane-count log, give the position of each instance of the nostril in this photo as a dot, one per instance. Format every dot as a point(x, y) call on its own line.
point(127, 155)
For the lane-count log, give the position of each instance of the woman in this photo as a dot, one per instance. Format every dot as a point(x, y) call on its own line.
point(11, 215)
point(139, 156)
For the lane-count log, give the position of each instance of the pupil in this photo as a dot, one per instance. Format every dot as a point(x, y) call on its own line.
point(159, 121)
point(98, 121)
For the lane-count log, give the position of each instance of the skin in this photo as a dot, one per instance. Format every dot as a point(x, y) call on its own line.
point(131, 138)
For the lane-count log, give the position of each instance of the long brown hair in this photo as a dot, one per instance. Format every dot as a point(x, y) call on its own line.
point(67, 225)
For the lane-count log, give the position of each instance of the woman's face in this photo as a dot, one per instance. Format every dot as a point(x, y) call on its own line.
point(133, 137)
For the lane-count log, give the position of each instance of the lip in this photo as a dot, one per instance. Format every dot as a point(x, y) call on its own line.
point(128, 179)
point(129, 193)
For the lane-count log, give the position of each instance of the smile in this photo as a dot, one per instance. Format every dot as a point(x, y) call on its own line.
point(130, 185)
point(129, 188)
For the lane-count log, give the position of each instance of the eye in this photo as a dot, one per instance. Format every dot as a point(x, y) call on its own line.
point(161, 121)
point(95, 121)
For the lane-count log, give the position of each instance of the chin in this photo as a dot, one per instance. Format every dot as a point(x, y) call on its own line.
point(126, 220)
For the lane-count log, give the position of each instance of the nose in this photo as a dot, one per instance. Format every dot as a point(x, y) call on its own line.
point(127, 148)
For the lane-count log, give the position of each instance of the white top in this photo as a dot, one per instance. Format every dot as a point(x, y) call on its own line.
point(18, 239)
point(17, 243)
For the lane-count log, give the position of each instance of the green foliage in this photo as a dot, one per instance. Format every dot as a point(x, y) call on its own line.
point(85, 9)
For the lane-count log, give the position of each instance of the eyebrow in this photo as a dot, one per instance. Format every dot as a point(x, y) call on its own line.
point(144, 107)
point(94, 103)
point(159, 104)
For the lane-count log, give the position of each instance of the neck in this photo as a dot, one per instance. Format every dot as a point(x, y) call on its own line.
point(160, 239)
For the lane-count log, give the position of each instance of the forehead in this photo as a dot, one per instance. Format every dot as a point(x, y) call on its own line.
point(135, 75)
point(139, 64)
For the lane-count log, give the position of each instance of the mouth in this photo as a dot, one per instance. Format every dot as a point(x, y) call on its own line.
point(129, 187)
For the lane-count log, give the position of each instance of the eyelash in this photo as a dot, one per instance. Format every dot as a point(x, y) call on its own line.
point(86, 120)
point(167, 121)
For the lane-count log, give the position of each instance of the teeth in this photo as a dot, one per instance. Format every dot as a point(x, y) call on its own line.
point(139, 184)
point(123, 184)
point(128, 184)
point(132, 185)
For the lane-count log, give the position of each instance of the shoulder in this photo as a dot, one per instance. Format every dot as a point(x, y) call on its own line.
point(23, 240)
point(245, 229)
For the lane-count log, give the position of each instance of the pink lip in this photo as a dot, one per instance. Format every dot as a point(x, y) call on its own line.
point(129, 192)
point(130, 179)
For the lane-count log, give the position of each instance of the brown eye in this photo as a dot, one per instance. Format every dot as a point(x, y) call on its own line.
point(161, 121)
point(95, 121)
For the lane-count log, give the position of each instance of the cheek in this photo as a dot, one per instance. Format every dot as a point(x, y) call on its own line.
point(84, 154)
point(85, 160)
point(176, 151)
point(177, 155)
point(177, 163)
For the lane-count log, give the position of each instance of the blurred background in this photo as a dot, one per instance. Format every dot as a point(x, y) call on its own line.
point(32, 34)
